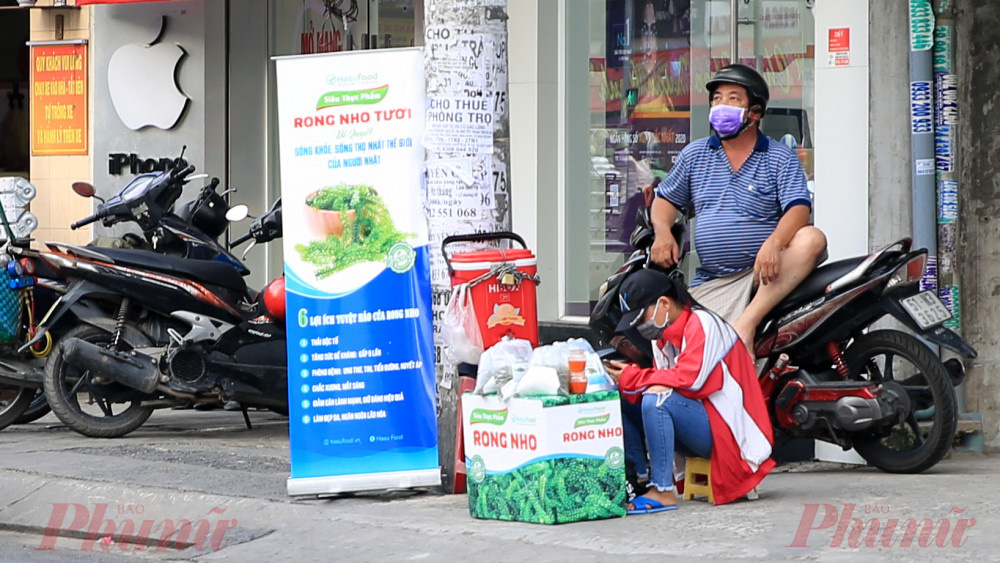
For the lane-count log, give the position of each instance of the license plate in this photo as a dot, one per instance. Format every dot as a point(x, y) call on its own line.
point(926, 309)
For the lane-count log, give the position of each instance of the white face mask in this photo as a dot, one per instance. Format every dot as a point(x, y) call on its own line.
point(649, 329)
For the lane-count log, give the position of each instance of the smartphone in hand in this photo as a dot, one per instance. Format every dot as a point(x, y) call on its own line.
point(614, 369)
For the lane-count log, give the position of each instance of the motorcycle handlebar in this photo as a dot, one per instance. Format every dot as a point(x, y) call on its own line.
point(185, 172)
point(85, 221)
point(240, 240)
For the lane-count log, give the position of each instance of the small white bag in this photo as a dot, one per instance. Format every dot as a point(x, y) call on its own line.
point(463, 341)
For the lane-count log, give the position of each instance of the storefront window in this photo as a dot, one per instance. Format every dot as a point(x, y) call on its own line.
point(327, 26)
point(635, 97)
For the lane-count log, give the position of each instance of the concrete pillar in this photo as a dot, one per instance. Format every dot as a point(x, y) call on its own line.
point(465, 62)
point(889, 134)
point(977, 33)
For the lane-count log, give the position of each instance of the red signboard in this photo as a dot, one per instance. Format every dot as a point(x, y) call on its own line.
point(839, 40)
point(58, 99)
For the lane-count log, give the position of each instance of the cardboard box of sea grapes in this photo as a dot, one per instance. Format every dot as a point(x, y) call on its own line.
point(546, 460)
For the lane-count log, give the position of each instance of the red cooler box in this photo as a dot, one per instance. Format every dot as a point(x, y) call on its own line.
point(502, 285)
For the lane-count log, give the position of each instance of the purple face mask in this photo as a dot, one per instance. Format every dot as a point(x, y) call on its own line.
point(728, 121)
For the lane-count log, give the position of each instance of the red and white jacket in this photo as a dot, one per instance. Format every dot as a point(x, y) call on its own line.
point(713, 366)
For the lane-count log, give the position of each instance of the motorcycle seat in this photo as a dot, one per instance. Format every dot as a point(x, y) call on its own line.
point(815, 285)
point(205, 271)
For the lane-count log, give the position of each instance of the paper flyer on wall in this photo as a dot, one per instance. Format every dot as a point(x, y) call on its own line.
point(360, 341)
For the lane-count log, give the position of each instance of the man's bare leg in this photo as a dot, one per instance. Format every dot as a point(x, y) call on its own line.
point(797, 260)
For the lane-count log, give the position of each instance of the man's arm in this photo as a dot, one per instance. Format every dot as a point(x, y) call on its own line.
point(766, 267)
point(677, 187)
point(664, 251)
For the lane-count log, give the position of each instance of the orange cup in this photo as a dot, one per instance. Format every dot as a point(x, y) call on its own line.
point(577, 376)
point(577, 361)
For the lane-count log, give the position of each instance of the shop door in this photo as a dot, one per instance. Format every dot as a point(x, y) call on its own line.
point(689, 40)
point(14, 122)
point(647, 101)
point(775, 37)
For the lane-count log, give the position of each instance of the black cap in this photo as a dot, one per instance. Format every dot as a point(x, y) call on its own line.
point(638, 291)
point(744, 76)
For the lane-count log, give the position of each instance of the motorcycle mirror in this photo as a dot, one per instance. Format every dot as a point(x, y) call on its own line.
point(237, 213)
point(84, 189)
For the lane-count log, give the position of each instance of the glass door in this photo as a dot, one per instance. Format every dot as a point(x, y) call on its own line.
point(776, 37)
point(644, 67)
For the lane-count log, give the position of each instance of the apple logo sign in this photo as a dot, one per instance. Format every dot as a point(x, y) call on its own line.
point(142, 83)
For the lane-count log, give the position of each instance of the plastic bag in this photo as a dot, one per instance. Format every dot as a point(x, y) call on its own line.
point(555, 356)
point(597, 377)
point(504, 362)
point(577, 344)
point(538, 381)
point(463, 341)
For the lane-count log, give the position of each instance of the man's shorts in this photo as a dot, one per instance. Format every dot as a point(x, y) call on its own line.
point(727, 296)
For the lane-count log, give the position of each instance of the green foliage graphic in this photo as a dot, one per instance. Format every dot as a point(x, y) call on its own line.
point(557, 400)
point(551, 492)
point(366, 238)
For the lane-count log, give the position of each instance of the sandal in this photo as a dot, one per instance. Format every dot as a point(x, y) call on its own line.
point(646, 505)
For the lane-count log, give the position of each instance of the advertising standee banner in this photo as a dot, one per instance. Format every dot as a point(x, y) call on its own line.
point(357, 272)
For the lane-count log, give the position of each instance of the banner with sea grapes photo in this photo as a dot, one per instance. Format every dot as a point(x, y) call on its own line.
point(357, 272)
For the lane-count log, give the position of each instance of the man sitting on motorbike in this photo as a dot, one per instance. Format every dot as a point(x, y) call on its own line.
point(748, 193)
point(701, 398)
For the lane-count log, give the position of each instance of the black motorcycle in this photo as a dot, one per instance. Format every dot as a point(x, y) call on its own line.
point(148, 201)
point(825, 372)
point(156, 330)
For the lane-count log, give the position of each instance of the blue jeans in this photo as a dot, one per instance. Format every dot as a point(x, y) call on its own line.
point(669, 423)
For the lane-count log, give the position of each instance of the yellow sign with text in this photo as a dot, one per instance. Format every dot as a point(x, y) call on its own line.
point(58, 99)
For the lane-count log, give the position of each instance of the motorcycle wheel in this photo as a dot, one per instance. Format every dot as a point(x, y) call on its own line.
point(890, 355)
point(38, 408)
point(84, 402)
point(13, 402)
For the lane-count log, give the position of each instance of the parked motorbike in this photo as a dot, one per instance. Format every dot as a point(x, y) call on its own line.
point(157, 330)
point(190, 231)
point(23, 298)
point(148, 200)
point(825, 372)
point(21, 367)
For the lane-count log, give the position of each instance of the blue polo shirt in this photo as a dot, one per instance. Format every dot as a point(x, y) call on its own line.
point(736, 212)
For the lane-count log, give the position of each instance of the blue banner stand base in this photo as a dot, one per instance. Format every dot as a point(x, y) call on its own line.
point(333, 485)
